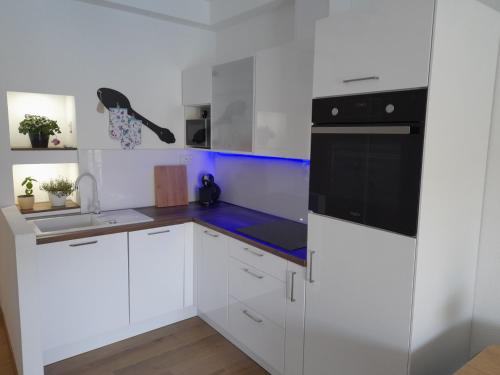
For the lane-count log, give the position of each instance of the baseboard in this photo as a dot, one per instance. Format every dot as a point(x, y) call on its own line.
point(59, 353)
point(240, 346)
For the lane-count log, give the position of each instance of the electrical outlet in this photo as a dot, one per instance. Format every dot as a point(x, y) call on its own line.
point(185, 158)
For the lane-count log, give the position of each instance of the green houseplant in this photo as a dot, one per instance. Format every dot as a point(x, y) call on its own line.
point(39, 129)
point(59, 189)
point(27, 201)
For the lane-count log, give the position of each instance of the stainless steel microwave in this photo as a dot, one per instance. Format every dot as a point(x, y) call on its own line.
point(198, 133)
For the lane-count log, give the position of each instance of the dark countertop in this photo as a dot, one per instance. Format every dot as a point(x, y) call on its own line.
point(222, 217)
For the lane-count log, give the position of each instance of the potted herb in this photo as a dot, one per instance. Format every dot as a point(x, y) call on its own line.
point(39, 129)
point(59, 189)
point(27, 200)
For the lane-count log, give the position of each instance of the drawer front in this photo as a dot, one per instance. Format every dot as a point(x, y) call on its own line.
point(258, 290)
point(258, 258)
point(261, 336)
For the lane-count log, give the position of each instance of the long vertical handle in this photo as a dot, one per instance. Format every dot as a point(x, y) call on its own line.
point(292, 287)
point(312, 252)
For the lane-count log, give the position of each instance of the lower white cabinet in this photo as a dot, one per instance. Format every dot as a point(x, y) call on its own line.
point(253, 296)
point(212, 249)
point(83, 288)
point(294, 321)
point(262, 336)
point(156, 259)
point(359, 299)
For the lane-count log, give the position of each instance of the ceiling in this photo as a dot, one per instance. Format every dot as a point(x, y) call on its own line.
point(203, 14)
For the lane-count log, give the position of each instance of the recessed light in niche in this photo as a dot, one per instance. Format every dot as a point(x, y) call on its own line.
point(60, 108)
point(42, 173)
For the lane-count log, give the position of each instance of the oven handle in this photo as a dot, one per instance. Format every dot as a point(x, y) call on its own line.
point(362, 130)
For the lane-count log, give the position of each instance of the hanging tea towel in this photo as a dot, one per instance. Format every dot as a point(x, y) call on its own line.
point(124, 128)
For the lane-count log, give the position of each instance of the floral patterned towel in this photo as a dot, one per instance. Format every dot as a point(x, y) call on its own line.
point(124, 128)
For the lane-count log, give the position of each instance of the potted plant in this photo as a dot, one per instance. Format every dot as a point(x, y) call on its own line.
point(39, 129)
point(27, 200)
point(59, 189)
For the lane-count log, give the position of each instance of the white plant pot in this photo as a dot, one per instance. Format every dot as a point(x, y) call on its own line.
point(57, 201)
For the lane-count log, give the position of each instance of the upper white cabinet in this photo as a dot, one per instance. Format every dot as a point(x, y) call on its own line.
point(375, 46)
point(197, 85)
point(83, 288)
point(233, 105)
point(359, 299)
point(212, 262)
point(283, 92)
point(156, 272)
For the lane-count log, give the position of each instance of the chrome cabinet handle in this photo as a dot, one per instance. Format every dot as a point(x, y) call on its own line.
point(311, 280)
point(211, 234)
point(83, 243)
point(253, 274)
point(253, 252)
point(256, 320)
point(159, 232)
point(370, 78)
point(292, 287)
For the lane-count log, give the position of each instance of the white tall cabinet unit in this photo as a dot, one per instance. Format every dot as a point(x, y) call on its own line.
point(381, 303)
point(374, 46)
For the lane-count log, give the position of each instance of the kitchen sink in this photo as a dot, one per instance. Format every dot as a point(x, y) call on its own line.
point(72, 223)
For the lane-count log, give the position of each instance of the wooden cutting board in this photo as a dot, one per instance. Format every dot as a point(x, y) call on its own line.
point(171, 185)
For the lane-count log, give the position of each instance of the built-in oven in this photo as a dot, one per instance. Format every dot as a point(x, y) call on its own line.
point(198, 133)
point(366, 158)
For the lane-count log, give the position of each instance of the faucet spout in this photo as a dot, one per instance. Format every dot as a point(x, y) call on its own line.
point(94, 206)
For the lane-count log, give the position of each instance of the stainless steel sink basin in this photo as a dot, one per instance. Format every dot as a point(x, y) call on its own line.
point(72, 223)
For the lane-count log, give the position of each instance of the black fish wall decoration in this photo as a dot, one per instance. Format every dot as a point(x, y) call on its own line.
point(111, 99)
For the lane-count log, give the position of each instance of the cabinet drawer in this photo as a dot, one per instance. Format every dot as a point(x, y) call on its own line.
point(261, 336)
point(258, 290)
point(257, 258)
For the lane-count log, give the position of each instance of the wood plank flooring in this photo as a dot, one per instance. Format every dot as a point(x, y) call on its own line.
point(7, 365)
point(190, 347)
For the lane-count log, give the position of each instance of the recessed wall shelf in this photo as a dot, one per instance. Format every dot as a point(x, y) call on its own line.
point(60, 108)
point(43, 149)
point(42, 207)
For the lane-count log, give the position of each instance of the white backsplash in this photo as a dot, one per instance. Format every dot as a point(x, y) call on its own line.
point(276, 186)
point(126, 178)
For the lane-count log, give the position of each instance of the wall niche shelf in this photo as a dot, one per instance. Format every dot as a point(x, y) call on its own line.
point(43, 149)
point(46, 207)
point(60, 108)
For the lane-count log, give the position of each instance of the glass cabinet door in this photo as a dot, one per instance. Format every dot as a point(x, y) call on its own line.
point(233, 105)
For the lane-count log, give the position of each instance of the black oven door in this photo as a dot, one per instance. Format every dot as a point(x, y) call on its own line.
point(367, 174)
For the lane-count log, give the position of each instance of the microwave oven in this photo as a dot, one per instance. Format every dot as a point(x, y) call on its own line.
point(198, 133)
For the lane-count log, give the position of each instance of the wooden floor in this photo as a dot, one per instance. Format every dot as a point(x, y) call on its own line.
point(7, 366)
point(190, 347)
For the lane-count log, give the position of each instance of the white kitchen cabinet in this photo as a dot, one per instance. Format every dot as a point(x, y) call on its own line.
point(294, 320)
point(375, 46)
point(262, 336)
point(83, 288)
point(283, 92)
point(212, 264)
point(156, 259)
point(258, 290)
point(197, 85)
point(359, 299)
point(232, 108)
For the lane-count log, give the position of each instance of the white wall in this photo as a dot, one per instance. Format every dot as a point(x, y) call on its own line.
point(263, 31)
point(275, 186)
point(126, 179)
point(73, 48)
point(486, 320)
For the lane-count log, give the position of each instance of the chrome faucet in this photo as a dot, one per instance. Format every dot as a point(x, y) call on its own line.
point(95, 205)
